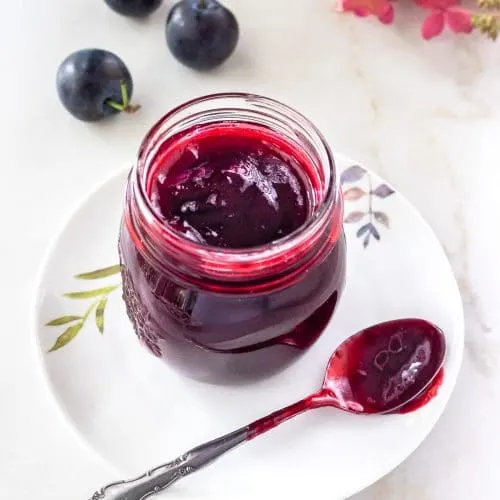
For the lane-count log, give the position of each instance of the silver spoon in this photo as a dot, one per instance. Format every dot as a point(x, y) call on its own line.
point(378, 370)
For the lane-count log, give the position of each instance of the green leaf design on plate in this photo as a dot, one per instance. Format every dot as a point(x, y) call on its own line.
point(99, 314)
point(63, 320)
point(100, 296)
point(100, 273)
point(66, 337)
point(88, 294)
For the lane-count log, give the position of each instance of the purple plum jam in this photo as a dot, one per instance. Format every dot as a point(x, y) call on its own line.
point(231, 191)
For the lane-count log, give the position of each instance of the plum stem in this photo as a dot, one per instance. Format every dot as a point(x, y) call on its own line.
point(125, 105)
point(202, 4)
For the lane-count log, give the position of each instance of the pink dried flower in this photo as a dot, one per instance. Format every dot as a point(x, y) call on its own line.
point(433, 24)
point(486, 18)
point(444, 12)
point(380, 8)
point(387, 16)
point(459, 20)
point(437, 4)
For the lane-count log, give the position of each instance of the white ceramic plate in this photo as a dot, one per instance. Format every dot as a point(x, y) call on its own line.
point(135, 412)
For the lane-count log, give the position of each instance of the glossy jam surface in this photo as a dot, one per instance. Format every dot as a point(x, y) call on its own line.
point(386, 365)
point(425, 397)
point(233, 191)
point(238, 187)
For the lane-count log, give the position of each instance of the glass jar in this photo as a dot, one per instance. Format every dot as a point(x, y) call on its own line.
point(222, 314)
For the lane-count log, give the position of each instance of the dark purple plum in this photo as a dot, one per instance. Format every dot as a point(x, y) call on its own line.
point(201, 34)
point(134, 8)
point(93, 84)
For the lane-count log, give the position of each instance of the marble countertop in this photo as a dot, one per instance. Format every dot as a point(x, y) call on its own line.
point(424, 115)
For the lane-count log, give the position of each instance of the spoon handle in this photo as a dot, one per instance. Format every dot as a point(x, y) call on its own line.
point(160, 478)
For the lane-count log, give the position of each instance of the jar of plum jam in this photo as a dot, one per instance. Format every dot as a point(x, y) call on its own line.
point(231, 243)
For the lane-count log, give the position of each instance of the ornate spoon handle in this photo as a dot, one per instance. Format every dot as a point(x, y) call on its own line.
point(160, 478)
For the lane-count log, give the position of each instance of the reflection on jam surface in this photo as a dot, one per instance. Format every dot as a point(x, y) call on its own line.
point(430, 393)
point(231, 190)
point(388, 364)
point(231, 186)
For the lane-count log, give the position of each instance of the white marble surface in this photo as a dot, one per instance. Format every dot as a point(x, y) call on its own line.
point(424, 115)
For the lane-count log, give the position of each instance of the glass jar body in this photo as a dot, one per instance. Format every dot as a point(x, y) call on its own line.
point(217, 337)
point(224, 316)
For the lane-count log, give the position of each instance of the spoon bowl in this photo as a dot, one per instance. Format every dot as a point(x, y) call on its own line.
point(384, 367)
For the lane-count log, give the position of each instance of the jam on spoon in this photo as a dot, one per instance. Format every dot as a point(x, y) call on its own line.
point(381, 369)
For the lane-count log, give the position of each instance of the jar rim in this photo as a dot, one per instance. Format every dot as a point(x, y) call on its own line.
point(217, 259)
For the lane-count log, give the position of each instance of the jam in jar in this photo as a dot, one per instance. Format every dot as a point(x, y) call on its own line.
point(231, 243)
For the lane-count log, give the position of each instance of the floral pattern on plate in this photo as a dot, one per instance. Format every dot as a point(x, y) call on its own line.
point(358, 185)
